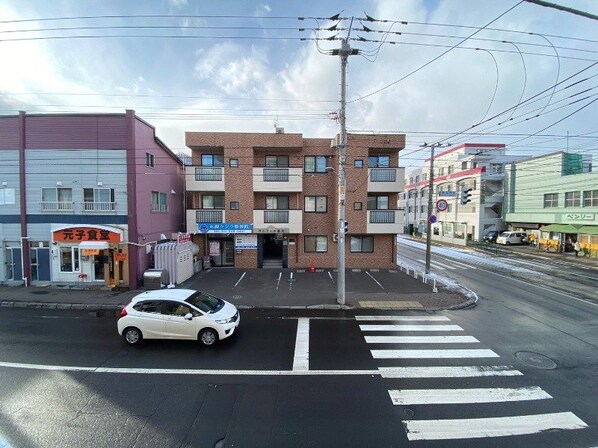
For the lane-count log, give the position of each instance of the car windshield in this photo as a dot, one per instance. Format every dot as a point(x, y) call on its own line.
point(205, 302)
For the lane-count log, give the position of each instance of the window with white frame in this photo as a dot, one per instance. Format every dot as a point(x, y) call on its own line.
point(316, 243)
point(590, 198)
point(57, 199)
point(277, 202)
point(212, 160)
point(572, 199)
point(69, 259)
point(362, 244)
point(159, 202)
point(379, 161)
point(551, 200)
point(98, 199)
point(215, 201)
point(378, 202)
point(277, 161)
point(316, 204)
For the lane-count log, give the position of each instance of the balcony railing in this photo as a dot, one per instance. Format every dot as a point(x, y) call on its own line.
point(56, 206)
point(383, 175)
point(214, 216)
point(99, 206)
point(159, 208)
point(276, 216)
point(382, 216)
point(276, 174)
point(208, 174)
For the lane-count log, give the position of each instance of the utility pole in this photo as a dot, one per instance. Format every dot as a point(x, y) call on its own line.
point(430, 202)
point(344, 52)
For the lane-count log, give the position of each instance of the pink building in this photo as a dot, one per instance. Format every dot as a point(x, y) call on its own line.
point(83, 197)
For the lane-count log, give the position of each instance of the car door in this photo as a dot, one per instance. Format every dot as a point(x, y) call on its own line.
point(175, 324)
point(150, 319)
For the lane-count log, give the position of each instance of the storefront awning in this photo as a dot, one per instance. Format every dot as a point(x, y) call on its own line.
point(588, 230)
point(94, 245)
point(561, 228)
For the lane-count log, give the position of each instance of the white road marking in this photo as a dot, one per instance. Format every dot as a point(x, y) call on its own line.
point(433, 264)
point(475, 428)
point(239, 281)
point(433, 354)
point(410, 328)
point(420, 339)
point(447, 372)
point(463, 265)
point(278, 282)
point(142, 371)
point(301, 359)
point(401, 318)
point(372, 277)
point(465, 396)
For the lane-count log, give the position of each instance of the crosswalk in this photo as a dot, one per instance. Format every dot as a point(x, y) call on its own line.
point(460, 367)
point(449, 265)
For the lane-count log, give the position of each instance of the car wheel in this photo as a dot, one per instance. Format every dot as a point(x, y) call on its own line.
point(132, 335)
point(208, 337)
point(507, 243)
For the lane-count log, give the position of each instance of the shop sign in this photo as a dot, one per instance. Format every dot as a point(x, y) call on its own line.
point(447, 194)
point(78, 234)
point(579, 217)
point(89, 252)
point(210, 227)
point(245, 241)
point(272, 229)
point(121, 256)
point(184, 238)
point(214, 248)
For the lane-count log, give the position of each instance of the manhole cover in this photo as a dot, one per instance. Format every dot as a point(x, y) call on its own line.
point(536, 360)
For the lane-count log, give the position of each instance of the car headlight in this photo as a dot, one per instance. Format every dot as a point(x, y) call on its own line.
point(224, 321)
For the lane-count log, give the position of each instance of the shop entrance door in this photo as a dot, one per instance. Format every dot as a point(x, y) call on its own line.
point(13, 264)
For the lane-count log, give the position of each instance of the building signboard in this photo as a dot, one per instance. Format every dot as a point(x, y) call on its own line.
point(245, 241)
point(209, 227)
point(447, 194)
point(579, 217)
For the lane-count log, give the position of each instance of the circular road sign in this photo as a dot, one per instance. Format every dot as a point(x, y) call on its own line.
point(432, 219)
point(441, 205)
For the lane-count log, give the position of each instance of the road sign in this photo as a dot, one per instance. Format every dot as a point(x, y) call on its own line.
point(432, 219)
point(441, 205)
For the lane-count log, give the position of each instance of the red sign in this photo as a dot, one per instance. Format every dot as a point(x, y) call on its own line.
point(184, 238)
point(78, 234)
point(441, 205)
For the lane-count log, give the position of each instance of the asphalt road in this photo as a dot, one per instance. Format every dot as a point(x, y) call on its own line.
point(68, 379)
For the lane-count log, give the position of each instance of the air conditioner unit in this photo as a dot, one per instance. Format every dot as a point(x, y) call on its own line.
point(335, 237)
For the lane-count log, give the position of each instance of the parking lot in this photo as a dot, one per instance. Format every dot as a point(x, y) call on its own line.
point(301, 288)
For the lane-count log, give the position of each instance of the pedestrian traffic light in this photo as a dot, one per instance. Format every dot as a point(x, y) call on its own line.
point(465, 195)
point(345, 227)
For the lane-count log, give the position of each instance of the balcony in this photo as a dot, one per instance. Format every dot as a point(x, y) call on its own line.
point(271, 179)
point(278, 221)
point(204, 178)
point(98, 207)
point(56, 206)
point(386, 180)
point(193, 217)
point(385, 221)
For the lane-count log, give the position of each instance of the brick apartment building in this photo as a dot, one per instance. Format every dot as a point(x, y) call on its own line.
point(258, 200)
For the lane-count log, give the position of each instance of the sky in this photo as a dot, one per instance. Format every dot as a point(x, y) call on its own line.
point(440, 71)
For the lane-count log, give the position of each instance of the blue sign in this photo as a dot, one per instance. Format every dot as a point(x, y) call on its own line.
point(447, 194)
point(209, 227)
point(432, 219)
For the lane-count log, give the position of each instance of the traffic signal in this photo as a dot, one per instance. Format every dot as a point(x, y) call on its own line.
point(345, 227)
point(465, 195)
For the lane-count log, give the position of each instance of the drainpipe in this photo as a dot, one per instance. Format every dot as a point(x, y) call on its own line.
point(23, 246)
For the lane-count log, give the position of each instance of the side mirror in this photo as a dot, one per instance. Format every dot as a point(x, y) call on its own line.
point(188, 316)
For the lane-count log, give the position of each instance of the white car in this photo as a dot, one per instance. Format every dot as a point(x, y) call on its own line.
point(508, 238)
point(178, 314)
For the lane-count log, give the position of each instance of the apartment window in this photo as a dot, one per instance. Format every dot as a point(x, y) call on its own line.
point(425, 176)
point(362, 244)
point(69, 259)
point(277, 203)
point(234, 205)
point(378, 202)
point(57, 199)
point(379, 161)
point(590, 198)
point(450, 169)
point(357, 206)
point(411, 180)
point(149, 159)
point(233, 163)
point(212, 159)
point(277, 161)
point(316, 204)
point(215, 201)
point(463, 165)
point(7, 196)
point(410, 209)
point(496, 168)
point(416, 179)
point(159, 202)
point(315, 164)
point(572, 199)
point(422, 209)
point(316, 244)
point(98, 199)
point(551, 200)
point(441, 171)
point(358, 163)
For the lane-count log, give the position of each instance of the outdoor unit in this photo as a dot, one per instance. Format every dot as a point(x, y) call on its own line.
point(176, 258)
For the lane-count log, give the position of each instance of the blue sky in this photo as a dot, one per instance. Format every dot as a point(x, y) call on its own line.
point(250, 70)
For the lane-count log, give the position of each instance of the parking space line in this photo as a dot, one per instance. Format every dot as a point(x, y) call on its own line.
point(372, 277)
point(239, 281)
point(301, 359)
point(278, 282)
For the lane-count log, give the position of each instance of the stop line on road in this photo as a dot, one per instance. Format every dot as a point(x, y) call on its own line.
point(463, 428)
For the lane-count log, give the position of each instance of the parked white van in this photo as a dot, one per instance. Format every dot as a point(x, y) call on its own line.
point(509, 238)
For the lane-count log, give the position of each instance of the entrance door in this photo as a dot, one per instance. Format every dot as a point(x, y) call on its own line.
point(40, 263)
point(98, 267)
point(228, 252)
point(13, 264)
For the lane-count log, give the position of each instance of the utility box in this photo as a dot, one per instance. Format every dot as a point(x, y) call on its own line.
point(176, 258)
point(155, 278)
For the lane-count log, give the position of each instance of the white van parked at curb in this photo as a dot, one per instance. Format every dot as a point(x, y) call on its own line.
point(508, 238)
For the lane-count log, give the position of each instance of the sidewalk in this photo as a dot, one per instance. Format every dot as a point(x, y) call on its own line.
point(261, 288)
